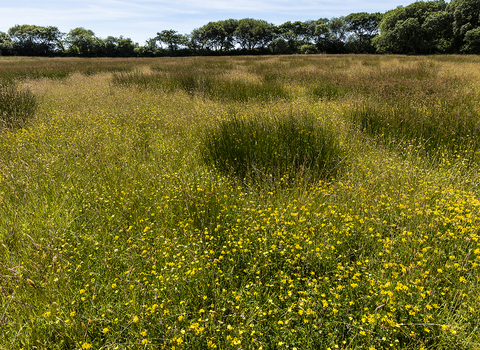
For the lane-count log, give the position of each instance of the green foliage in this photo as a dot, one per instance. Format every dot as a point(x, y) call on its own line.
point(172, 39)
point(119, 47)
point(419, 28)
point(83, 42)
point(295, 34)
point(222, 36)
point(32, 40)
point(218, 36)
point(308, 49)
point(266, 150)
point(6, 44)
point(472, 41)
point(423, 27)
point(279, 46)
point(466, 18)
point(363, 26)
point(253, 33)
point(16, 106)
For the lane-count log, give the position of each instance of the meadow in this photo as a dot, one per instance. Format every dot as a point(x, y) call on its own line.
point(264, 202)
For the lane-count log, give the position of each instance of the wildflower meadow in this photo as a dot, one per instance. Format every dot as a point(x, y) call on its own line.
point(249, 202)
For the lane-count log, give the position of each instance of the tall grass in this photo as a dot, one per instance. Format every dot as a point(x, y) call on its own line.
point(269, 149)
point(126, 222)
point(59, 68)
point(16, 106)
point(451, 125)
point(208, 83)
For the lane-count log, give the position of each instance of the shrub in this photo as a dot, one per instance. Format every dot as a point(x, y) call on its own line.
point(16, 106)
point(273, 149)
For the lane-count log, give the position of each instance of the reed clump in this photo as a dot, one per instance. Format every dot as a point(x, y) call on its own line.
point(17, 106)
point(283, 147)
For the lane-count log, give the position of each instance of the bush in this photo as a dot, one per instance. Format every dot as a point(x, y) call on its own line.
point(16, 106)
point(308, 49)
point(276, 149)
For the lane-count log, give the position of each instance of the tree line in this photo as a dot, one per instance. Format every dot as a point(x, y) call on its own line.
point(423, 27)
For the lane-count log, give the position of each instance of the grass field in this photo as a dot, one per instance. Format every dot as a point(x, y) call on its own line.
point(281, 202)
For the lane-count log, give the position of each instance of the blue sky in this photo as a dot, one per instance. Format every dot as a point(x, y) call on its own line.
point(141, 20)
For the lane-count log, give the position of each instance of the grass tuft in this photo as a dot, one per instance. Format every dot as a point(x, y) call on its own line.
point(16, 106)
point(271, 149)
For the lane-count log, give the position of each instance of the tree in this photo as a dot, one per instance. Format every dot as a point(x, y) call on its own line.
point(472, 41)
point(363, 27)
point(110, 46)
point(119, 47)
point(217, 36)
point(83, 42)
point(330, 35)
point(412, 29)
point(296, 37)
point(6, 45)
point(307, 33)
point(321, 32)
point(197, 40)
point(172, 39)
point(126, 47)
point(279, 46)
point(32, 40)
point(338, 30)
point(253, 33)
point(466, 20)
point(292, 33)
point(437, 30)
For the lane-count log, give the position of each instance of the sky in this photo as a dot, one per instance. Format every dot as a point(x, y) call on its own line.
point(141, 20)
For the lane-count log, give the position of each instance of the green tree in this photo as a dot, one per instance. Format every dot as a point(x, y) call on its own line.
point(466, 20)
point(472, 41)
point(296, 34)
point(279, 46)
point(126, 47)
point(119, 47)
point(32, 40)
point(321, 33)
point(83, 42)
point(331, 34)
point(363, 27)
point(172, 39)
point(198, 41)
point(437, 31)
point(338, 30)
point(253, 33)
point(413, 29)
point(6, 45)
point(150, 48)
point(216, 36)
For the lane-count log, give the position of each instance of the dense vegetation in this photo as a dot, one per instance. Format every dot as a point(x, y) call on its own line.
point(260, 202)
point(423, 27)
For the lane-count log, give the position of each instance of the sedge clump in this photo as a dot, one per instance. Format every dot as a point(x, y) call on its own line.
point(16, 106)
point(299, 147)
